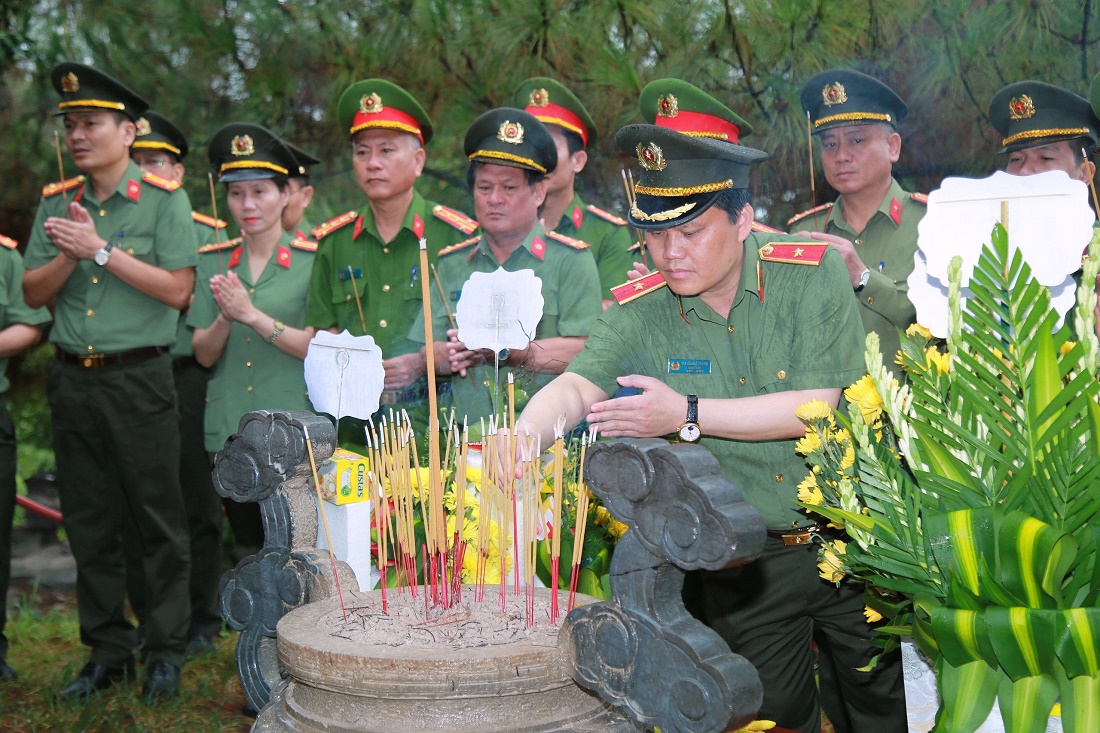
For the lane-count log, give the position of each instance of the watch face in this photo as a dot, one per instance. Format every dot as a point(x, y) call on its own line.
point(101, 257)
point(690, 432)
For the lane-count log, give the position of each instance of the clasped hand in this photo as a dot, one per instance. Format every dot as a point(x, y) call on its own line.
point(658, 410)
point(232, 297)
point(75, 237)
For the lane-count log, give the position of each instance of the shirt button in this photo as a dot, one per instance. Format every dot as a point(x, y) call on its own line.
point(95, 281)
point(348, 298)
point(91, 312)
point(103, 212)
point(742, 380)
point(248, 364)
point(250, 388)
point(382, 323)
point(90, 349)
point(385, 288)
point(248, 339)
point(870, 300)
point(858, 241)
point(779, 478)
point(385, 250)
point(252, 291)
point(486, 382)
point(130, 251)
point(781, 374)
point(729, 329)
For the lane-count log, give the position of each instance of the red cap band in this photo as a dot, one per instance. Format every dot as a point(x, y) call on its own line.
point(389, 118)
point(697, 123)
point(555, 114)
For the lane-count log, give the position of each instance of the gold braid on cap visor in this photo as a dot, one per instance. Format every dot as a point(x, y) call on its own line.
point(154, 145)
point(387, 124)
point(688, 191)
point(238, 164)
point(660, 215)
point(1050, 132)
point(91, 103)
point(853, 117)
point(526, 162)
point(546, 119)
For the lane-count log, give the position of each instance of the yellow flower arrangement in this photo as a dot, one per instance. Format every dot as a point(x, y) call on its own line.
point(918, 330)
point(815, 410)
point(872, 616)
point(809, 443)
point(831, 567)
point(864, 395)
point(809, 492)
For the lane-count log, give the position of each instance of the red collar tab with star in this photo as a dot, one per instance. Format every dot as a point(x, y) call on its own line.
point(607, 216)
point(282, 256)
point(568, 241)
point(793, 253)
point(235, 258)
point(358, 228)
point(577, 216)
point(635, 289)
point(133, 190)
point(538, 248)
point(323, 230)
point(155, 180)
point(8, 242)
point(418, 226)
point(458, 247)
point(895, 211)
point(52, 189)
point(457, 219)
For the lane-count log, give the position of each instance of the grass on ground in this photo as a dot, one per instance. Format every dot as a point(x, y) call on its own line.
point(45, 648)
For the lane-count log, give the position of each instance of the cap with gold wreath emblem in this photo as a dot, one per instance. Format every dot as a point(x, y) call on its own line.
point(684, 107)
point(1030, 113)
point(243, 151)
point(380, 104)
point(841, 97)
point(303, 160)
point(511, 137)
point(552, 103)
point(156, 132)
point(85, 89)
point(682, 176)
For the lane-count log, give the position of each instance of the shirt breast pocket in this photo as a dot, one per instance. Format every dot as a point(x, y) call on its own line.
point(139, 247)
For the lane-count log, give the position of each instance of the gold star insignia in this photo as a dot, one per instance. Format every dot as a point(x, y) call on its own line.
point(798, 252)
point(638, 286)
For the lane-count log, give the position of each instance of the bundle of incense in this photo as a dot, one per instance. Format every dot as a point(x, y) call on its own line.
point(381, 511)
point(324, 521)
point(510, 472)
point(529, 490)
point(582, 501)
point(555, 526)
point(483, 525)
point(459, 547)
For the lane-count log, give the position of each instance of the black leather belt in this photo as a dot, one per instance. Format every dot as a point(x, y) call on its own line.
point(800, 535)
point(180, 363)
point(119, 358)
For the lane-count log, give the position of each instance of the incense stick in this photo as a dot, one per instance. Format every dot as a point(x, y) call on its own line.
point(810, 155)
point(214, 206)
point(61, 171)
point(324, 521)
point(358, 301)
point(443, 298)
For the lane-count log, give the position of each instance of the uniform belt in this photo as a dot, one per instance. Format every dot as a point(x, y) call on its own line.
point(800, 535)
point(119, 358)
point(413, 393)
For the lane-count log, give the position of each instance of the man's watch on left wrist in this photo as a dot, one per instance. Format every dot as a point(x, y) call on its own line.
point(503, 354)
point(864, 278)
point(689, 431)
point(102, 256)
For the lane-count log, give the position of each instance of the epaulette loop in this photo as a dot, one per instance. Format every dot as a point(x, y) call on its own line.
point(569, 241)
point(607, 215)
point(459, 247)
point(218, 246)
point(457, 219)
point(323, 230)
point(804, 214)
point(208, 220)
point(793, 253)
point(52, 189)
point(304, 244)
point(163, 183)
point(635, 289)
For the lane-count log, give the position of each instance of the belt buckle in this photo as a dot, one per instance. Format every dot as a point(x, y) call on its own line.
point(91, 361)
point(797, 538)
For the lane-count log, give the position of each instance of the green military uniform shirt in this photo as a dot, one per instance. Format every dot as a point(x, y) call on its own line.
point(571, 298)
point(386, 275)
point(97, 312)
point(886, 246)
point(205, 233)
point(302, 231)
point(608, 236)
point(799, 331)
point(251, 373)
point(13, 309)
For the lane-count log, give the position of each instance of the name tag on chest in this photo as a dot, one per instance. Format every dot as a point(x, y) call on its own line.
point(689, 366)
point(346, 274)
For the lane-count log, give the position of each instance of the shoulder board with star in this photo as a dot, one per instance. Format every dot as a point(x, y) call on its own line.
point(457, 219)
point(8, 242)
point(323, 230)
point(52, 189)
point(794, 253)
point(765, 229)
point(155, 180)
point(569, 241)
point(459, 247)
point(208, 220)
point(304, 244)
point(920, 198)
point(804, 214)
point(219, 246)
point(635, 289)
point(607, 216)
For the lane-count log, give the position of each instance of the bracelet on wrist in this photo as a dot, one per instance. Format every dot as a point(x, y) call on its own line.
point(276, 333)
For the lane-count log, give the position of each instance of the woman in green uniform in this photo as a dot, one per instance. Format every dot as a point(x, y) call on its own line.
point(249, 309)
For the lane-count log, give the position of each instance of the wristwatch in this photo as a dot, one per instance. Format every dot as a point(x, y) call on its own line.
point(101, 256)
point(864, 277)
point(503, 354)
point(276, 333)
point(689, 431)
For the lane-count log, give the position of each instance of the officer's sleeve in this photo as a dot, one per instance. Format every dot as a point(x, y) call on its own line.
point(828, 343)
point(40, 248)
point(615, 261)
point(320, 314)
point(890, 298)
point(18, 311)
point(203, 307)
point(174, 237)
point(607, 354)
point(580, 302)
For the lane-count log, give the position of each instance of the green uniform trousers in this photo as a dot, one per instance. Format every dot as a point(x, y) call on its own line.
point(116, 437)
point(7, 510)
point(772, 610)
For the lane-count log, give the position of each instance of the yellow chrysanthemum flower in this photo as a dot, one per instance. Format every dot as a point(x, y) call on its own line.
point(941, 361)
point(872, 616)
point(809, 492)
point(849, 458)
point(814, 410)
point(617, 529)
point(864, 395)
point(756, 726)
point(1067, 347)
point(918, 330)
point(831, 567)
point(602, 516)
point(810, 443)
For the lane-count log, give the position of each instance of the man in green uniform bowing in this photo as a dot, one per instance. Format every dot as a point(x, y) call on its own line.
point(366, 276)
point(744, 329)
point(574, 133)
point(874, 222)
point(159, 150)
point(117, 250)
point(510, 153)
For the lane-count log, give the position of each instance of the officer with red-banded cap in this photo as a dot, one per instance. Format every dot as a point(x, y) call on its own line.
point(574, 133)
point(366, 277)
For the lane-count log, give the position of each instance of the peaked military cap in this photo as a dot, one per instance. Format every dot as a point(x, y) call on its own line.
point(553, 104)
point(242, 151)
point(156, 132)
point(302, 159)
point(682, 176)
point(83, 89)
point(686, 108)
point(1030, 113)
point(841, 97)
point(377, 103)
point(512, 137)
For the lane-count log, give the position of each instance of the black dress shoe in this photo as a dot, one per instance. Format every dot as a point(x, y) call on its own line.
point(95, 677)
point(162, 680)
point(199, 644)
point(6, 672)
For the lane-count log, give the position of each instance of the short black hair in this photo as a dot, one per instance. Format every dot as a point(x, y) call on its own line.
point(303, 180)
point(731, 201)
point(533, 177)
point(573, 141)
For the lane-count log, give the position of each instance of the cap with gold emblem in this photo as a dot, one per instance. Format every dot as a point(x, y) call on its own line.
point(1030, 113)
point(512, 137)
point(841, 97)
point(156, 132)
point(302, 159)
point(242, 151)
point(684, 107)
point(553, 104)
point(85, 89)
point(381, 104)
point(681, 175)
